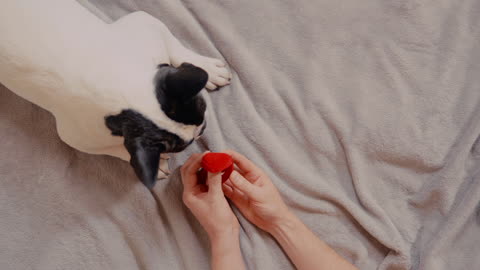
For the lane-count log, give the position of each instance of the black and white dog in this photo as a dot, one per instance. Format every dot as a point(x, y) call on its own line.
point(103, 82)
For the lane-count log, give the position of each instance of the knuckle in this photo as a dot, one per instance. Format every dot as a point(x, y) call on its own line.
point(238, 181)
point(252, 176)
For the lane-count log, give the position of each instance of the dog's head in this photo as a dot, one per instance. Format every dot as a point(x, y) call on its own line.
point(177, 92)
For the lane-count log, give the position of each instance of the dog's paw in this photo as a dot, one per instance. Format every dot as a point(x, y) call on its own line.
point(162, 175)
point(218, 74)
point(164, 170)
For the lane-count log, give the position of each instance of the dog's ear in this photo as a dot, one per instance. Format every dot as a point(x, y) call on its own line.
point(185, 82)
point(144, 159)
point(144, 152)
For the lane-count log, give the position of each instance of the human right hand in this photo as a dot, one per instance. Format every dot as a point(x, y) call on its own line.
point(254, 194)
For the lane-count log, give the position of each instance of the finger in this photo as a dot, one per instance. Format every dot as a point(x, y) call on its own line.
point(240, 183)
point(189, 161)
point(227, 190)
point(191, 165)
point(238, 198)
point(242, 162)
point(229, 184)
point(245, 165)
point(189, 171)
point(229, 193)
point(234, 193)
point(214, 182)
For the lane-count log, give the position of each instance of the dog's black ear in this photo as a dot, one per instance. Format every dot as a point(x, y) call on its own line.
point(185, 82)
point(144, 159)
point(139, 140)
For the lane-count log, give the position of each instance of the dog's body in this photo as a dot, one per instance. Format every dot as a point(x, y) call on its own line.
point(58, 55)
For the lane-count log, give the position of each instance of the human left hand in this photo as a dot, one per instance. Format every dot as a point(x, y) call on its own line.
point(207, 201)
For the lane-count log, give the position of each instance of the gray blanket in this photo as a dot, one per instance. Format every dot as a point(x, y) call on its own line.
point(364, 113)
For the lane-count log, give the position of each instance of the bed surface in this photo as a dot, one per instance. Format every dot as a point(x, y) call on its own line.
point(364, 113)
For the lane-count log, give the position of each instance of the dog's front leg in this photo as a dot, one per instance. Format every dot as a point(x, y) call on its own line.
point(164, 170)
point(218, 74)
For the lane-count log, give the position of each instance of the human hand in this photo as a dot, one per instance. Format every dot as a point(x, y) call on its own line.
point(207, 201)
point(254, 194)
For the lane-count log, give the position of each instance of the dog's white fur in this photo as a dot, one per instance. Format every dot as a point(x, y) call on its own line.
point(58, 55)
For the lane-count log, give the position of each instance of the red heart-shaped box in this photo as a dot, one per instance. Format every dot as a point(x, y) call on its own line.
point(215, 163)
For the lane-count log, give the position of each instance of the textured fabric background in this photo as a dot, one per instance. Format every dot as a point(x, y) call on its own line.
point(364, 113)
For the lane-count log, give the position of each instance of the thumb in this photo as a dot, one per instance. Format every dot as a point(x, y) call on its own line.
point(214, 182)
point(242, 184)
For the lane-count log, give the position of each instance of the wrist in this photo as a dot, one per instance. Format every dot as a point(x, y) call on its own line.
point(226, 252)
point(225, 243)
point(285, 225)
point(224, 235)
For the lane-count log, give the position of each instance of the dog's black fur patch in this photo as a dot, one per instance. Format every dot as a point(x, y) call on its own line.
point(145, 141)
point(177, 93)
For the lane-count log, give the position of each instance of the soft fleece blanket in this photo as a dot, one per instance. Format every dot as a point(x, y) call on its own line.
point(364, 113)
